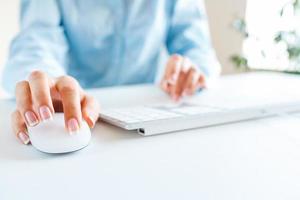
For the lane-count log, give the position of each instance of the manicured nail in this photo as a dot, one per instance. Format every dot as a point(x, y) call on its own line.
point(90, 121)
point(45, 113)
point(184, 93)
point(187, 92)
point(165, 84)
point(173, 79)
point(73, 126)
point(175, 97)
point(31, 119)
point(23, 137)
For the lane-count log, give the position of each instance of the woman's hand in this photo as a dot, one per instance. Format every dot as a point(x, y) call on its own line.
point(181, 78)
point(38, 98)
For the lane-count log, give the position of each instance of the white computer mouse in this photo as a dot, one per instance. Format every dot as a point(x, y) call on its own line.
point(51, 136)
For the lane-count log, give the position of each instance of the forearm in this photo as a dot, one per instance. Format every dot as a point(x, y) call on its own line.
point(40, 45)
point(16, 71)
point(189, 36)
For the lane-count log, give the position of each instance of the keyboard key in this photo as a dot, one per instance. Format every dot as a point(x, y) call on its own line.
point(144, 114)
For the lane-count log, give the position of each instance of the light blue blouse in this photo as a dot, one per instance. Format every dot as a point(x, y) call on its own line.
point(108, 42)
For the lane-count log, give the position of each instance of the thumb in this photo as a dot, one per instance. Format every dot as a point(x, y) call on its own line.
point(90, 110)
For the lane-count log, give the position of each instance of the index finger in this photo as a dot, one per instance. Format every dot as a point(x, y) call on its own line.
point(40, 92)
point(173, 68)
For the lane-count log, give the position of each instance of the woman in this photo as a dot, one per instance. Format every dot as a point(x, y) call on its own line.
point(67, 45)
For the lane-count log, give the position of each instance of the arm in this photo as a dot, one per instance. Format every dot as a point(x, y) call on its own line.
point(40, 45)
point(189, 36)
point(35, 71)
point(194, 64)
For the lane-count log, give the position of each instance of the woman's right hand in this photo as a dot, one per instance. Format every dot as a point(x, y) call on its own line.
point(38, 98)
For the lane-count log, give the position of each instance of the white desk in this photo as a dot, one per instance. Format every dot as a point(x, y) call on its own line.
point(250, 160)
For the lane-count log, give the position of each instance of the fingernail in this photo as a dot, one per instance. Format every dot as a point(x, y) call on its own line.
point(45, 113)
point(90, 121)
point(175, 97)
point(173, 78)
point(184, 93)
point(73, 126)
point(171, 82)
point(23, 137)
point(31, 119)
point(187, 92)
point(164, 84)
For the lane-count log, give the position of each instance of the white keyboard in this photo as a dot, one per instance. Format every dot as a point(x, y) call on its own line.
point(150, 120)
point(135, 117)
point(138, 114)
point(145, 113)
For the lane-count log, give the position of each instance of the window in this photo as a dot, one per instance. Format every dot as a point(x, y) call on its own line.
point(274, 34)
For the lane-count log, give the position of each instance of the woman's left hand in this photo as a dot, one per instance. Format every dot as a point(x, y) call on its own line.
point(181, 78)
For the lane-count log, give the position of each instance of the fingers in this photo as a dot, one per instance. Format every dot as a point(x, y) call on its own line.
point(24, 103)
point(19, 127)
point(37, 97)
point(195, 80)
point(178, 87)
point(202, 81)
point(90, 110)
point(173, 67)
point(71, 99)
point(33, 104)
point(40, 92)
point(181, 78)
point(190, 85)
point(172, 72)
point(76, 104)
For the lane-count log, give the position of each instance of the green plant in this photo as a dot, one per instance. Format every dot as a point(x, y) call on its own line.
point(240, 61)
point(290, 39)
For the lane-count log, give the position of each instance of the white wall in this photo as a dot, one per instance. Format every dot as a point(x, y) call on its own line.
point(9, 11)
point(227, 41)
point(220, 12)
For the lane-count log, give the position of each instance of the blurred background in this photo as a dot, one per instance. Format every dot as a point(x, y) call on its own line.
point(247, 35)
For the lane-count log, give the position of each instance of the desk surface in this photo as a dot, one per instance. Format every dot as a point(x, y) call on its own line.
point(257, 159)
